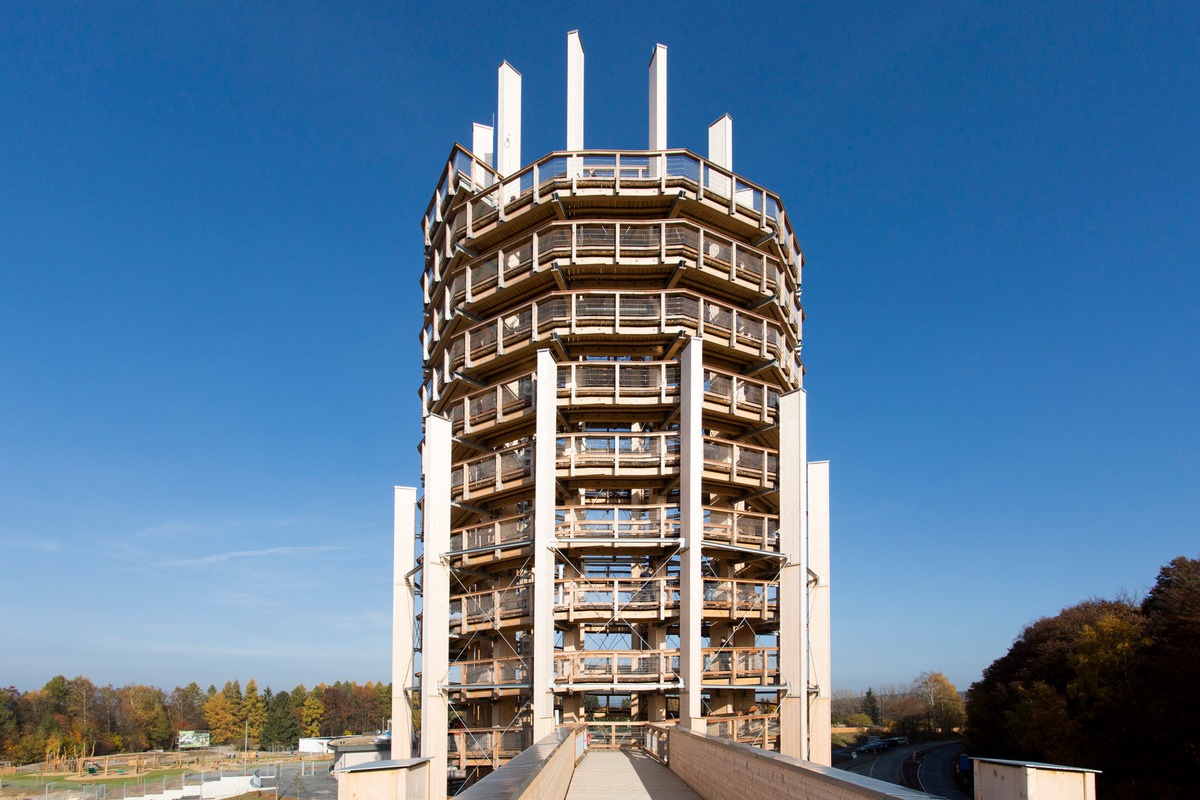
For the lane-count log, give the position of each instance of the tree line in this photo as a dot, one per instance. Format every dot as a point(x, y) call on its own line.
point(1112, 685)
point(72, 717)
point(929, 706)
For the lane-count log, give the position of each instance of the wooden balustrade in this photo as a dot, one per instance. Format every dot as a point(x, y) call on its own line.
point(467, 747)
point(488, 672)
point(617, 666)
point(750, 666)
point(490, 608)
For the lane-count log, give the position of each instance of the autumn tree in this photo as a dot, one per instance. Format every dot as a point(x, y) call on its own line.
point(313, 714)
point(255, 710)
point(222, 719)
point(1103, 684)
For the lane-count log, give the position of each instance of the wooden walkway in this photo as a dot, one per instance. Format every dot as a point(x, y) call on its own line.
point(625, 774)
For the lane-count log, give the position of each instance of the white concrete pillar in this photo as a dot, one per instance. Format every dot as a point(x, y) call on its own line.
point(820, 666)
point(793, 580)
point(691, 522)
point(544, 507)
point(720, 142)
point(483, 149)
point(404, 560)
point(658, 98)
point(435, 600)
point(508, 121)
point(574, 91)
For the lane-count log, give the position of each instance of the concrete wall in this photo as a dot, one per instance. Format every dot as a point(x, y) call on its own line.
point(718, 769)
point(541, 772)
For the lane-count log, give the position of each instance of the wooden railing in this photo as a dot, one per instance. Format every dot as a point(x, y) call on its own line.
point(617, 522)
point(511, 671)
point(489, 608)
point(467, 747)
point(742, 528)
point(497, 198)
point(740, 665)
point(741, 463)
point(494, 404)
point(450, 281)
point(616, 596)
point(629, 453)
point(617, 666)
point(650, 312)
point(506, 531)
point(493, 472)
point(616, 381)
point(760, 730)
point(742, 598)
point(742, 396)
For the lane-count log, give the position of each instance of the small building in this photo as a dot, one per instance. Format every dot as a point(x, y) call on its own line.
point(352, 751)
point(998, 779)
point(315, 744)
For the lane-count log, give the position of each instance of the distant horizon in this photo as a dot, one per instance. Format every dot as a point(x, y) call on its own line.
point(209, 218)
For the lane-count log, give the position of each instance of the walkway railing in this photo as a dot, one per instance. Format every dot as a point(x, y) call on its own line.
point(488, 673)
point(577, 313)
point(467, 747)
point(451, 281)
point(497, 198)
point(617, 666)
point(490, 608)
point(747, 666)
point(616, 596)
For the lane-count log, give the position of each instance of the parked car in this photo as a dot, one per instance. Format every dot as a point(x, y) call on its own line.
point(873, 747)
point(896, 741)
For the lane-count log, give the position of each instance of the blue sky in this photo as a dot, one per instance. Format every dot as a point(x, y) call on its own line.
point(209, 256)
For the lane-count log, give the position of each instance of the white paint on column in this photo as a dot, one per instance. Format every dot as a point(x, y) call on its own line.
point(793, 579)
point(691, 522)
point(544, 507)
point(435, 599)
point(574, 91)
point(658, 98)
point(404, 559)
point(508, 121)
point(820, 666)
point(720, 142)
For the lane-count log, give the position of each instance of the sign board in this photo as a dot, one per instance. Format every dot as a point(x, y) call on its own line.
point(194, 739)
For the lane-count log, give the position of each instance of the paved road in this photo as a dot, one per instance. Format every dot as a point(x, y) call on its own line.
point(937, 773)
point(889, 766)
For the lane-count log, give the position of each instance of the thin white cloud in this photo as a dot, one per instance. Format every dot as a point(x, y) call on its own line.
point(231, 555)
point(12, 538)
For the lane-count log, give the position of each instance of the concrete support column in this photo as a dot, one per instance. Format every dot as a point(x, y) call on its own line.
point(658, 98)
point(404, 560)
point(435, 600)
point(691, 522)
point(720, 142)
point(483, 149)
point(574, 91)
point(793, 581)
point(544, 508)
point(820, 667)
point(508, 121)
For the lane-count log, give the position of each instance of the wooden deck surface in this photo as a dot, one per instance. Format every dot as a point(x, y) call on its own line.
point(625, 774)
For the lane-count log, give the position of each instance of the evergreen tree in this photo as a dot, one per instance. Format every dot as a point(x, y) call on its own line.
point(870, 706)
point(280, 729)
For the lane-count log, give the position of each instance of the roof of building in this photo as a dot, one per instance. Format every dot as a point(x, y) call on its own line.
point(1034, 764)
